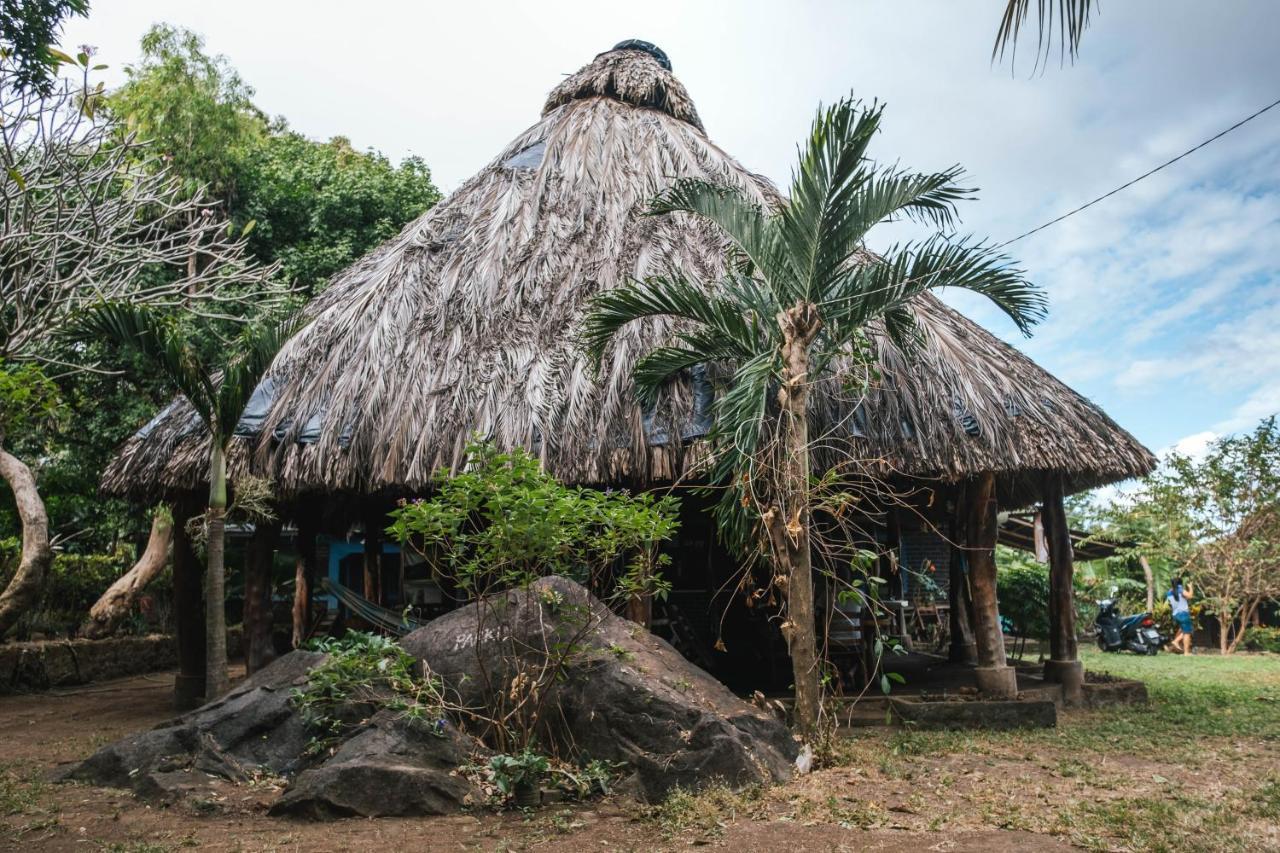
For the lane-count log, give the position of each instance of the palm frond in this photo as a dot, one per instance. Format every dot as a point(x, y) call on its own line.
point(152, 335)
point(668, 296)
point(1072, 18)
point(870, 290)
point(821, 219)
point(750, 229)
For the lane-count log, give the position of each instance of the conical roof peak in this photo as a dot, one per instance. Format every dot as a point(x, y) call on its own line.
point(634, 72)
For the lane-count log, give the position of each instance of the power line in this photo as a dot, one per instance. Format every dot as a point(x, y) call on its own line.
point(1141, 177)
point(1102, 197)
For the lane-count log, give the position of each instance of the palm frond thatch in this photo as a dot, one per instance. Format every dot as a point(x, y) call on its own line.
point(469, 321)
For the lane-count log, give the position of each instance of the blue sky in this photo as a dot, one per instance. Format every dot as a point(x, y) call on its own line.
point(1165, 300)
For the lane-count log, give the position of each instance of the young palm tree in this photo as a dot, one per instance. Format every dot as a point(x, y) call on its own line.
point(796, 301)
point(219, 394)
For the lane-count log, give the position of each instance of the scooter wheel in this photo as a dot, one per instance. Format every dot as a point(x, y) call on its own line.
point(1102, 643)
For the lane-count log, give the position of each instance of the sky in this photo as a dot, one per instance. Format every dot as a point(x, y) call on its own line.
point(1164, 300)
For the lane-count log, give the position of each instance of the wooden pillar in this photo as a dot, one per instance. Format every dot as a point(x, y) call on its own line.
point(374, 521)
point(259, 649)
point(304, 576)
point(995, 676)
point(188, 611)
point(1063, 665)
point(963, 647)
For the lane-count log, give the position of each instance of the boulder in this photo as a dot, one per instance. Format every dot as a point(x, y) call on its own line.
point(602, 688)
point(387, 766)
point(617, 692)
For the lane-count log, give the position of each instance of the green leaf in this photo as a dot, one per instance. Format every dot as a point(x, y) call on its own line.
point(17, 178)
point(59, 56)
point(884, 684)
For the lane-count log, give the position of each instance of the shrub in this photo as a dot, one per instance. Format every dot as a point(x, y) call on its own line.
point(365, 673)
point(75, 582)
point(1261, 638)
point(503, 522)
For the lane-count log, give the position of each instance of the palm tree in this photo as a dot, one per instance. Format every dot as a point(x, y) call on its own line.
point(797, 299)
point(219, 394)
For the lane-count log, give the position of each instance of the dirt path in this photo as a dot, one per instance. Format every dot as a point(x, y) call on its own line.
point(41, 731)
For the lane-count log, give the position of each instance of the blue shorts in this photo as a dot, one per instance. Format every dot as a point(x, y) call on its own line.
point(1183, 621)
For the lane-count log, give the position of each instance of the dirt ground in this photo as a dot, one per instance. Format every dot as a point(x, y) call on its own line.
point(1051, 790)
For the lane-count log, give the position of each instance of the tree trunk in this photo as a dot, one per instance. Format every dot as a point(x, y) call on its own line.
point(994, 675)
point(640, 605)
point(788, 522)
point(188, 611)
point(1151, 582)
point(259, 559)
point(304, 575)
point(215, 620)
point(37, 554)
point(120, 597)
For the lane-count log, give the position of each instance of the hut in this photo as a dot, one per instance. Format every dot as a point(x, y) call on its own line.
point(466, 323)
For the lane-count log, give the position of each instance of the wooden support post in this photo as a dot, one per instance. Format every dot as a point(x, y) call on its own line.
point(995, 676)
point(963, 647)
point(1063, 665)
point(259, 650)
point(304, 577)
point(188, 611)
point(373, 524)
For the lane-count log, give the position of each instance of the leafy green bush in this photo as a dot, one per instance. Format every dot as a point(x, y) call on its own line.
point(1260, 638)
point(75, 582)
point(1024, 599)
point(365, 673)
point(503, 522)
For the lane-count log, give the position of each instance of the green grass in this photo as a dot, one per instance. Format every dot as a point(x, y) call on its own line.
point(1205, 711)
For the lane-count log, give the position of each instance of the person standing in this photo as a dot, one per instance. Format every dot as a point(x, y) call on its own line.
point(1179, 598)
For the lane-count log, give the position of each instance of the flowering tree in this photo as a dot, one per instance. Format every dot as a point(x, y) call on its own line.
point(87, 215)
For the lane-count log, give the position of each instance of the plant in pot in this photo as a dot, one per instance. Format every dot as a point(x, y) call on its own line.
point(519, 776)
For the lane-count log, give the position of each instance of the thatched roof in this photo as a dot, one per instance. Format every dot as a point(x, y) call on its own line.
point(466, 323)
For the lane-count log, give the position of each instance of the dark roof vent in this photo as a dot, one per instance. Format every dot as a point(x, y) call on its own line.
point(647, 47)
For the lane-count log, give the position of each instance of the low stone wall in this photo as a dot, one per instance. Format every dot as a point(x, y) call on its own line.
point(26, 667)
point(1108, 693)
point(55, 663)
point(975, 713)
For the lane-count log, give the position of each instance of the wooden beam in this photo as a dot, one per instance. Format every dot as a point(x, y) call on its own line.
point(373, 524)
point(304, 577)
point(259, 649)
point(960, 612)
point(1063, 665)
point(188, 611)
point(995, 677)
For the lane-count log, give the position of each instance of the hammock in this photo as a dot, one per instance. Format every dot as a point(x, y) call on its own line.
point(388, 620)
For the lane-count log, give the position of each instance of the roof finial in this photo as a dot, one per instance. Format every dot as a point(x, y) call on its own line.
point(647, 47)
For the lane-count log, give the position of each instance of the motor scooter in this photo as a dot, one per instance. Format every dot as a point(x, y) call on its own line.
point(1116, 633)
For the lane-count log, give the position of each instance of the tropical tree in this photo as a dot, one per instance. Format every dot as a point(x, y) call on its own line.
point(88, 213)
point(797, 302)
point(29, 29)
point(218, 393)
point(1216, 520)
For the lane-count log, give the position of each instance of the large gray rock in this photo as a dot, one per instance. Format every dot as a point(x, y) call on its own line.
point(387, 765)
point(621, 694)
point(253, 727)
point(613, 692)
